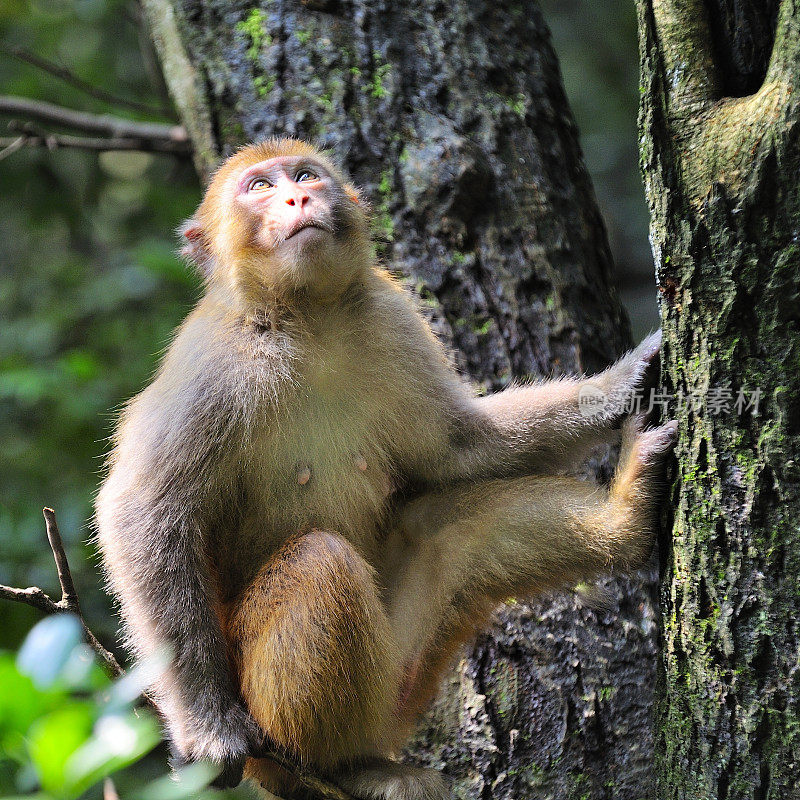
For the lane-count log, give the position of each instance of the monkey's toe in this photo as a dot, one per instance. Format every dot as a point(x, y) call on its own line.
point(650, 347)
point(656, 443)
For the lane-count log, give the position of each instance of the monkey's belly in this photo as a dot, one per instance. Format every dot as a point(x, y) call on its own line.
point(349, 496)
point(329, 460)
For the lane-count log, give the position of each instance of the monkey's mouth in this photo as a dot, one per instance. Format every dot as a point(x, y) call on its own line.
point(304, 224)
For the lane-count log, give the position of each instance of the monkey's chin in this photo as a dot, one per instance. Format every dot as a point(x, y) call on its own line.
point(306, 234)
point(308, 250)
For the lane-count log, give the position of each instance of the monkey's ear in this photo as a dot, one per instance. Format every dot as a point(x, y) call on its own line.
point(195, 248)
point(353, 194)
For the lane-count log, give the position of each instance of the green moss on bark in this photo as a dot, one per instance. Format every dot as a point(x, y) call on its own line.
point(720, 175)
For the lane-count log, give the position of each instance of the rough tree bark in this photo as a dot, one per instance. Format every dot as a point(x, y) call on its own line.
point(720, 159)
point(453, 118)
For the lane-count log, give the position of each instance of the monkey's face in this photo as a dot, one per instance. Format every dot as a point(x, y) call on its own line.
point(289, 202)
point(279, 217)
point(297, 226)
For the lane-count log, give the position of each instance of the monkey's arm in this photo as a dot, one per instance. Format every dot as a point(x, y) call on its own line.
point(152, 516)
point(542, 428)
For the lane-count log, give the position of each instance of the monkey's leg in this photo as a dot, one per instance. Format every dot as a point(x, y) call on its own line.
point(458, 552)
point(315, 655)
point(320, 672)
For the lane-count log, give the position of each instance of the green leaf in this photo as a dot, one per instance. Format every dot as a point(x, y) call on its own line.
point(125, 691)
point(81, 363)
point(37, 796)
point(20, 702)
point(117, 742)
point(48, 647)
point(186, 783)
point(82, 672)
point(53, 739)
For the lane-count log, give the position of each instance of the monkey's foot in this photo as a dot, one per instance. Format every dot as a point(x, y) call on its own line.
point(639, 481)
point(644, 449)
point(383, 779)
point(227, 742)
point(633, 374)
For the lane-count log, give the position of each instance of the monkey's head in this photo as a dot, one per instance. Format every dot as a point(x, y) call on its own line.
point(279, 217)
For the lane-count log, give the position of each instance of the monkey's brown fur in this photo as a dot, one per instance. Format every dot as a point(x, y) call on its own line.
point(310, 509)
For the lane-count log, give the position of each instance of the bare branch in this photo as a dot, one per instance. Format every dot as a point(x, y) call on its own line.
point(34, 596)
point(11, 146)
point(69, 597)
point(66, 75)
point(186, 85)
point(716, 138)
point(101, 124)
point(321, 789)
point(783, 64)
point(690, 74)
point(55, 141)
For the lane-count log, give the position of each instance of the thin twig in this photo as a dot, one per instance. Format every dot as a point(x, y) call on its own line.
point(11, 146)
point(66, 75)
point(69, 596)
point(101, 124)
point(55, 141)
point(34, 596)
point(316, 785)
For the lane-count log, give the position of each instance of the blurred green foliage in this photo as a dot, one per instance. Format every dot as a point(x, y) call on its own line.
point(90, 287)
point(65, 727)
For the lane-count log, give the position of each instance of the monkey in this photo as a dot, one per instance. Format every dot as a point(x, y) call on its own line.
point(311, 511)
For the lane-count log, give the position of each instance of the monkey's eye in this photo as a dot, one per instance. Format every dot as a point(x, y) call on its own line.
point(306, 175)
point(258, 185)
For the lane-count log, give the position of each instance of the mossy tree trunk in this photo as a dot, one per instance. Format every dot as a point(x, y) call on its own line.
point(720, 160)
point(453, 118)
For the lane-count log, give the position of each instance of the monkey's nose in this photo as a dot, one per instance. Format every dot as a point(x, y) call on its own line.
point(299, 199)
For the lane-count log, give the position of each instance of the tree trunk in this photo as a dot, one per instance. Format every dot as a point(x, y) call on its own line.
point(453, 118)
point(720, 159)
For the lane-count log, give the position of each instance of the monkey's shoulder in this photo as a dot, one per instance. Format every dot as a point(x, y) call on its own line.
point(201, 392)
point(220, 355)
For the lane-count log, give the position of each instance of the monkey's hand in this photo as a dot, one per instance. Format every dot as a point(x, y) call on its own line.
point(632, 375)
point(227, 743)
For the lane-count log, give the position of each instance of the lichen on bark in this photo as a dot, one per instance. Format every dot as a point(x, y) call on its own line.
point(721, 179)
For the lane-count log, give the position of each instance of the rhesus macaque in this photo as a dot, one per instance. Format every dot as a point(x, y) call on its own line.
point(311, 511)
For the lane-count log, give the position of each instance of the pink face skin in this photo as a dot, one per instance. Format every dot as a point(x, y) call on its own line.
point(298, 227)
point(289, 198)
